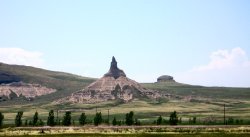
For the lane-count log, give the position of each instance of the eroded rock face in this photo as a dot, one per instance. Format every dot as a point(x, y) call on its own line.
point(17, 89)
point(109, 88)
point(113, 85)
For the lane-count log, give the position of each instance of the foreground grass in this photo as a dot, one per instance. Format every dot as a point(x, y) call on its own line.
point(143, 135)
point(135, 131)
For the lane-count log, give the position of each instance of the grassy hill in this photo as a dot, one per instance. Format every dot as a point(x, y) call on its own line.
point(65, 83)
point(200, 91)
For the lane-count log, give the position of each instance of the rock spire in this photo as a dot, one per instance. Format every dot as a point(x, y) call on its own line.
point(114, 71)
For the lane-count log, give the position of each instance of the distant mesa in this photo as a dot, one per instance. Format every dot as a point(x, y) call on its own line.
point(114, 85)
point(165, 78)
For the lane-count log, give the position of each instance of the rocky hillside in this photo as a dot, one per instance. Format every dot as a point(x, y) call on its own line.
point(114, 85)
point(20, 89)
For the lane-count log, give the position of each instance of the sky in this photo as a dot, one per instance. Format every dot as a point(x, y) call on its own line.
point(197, 42)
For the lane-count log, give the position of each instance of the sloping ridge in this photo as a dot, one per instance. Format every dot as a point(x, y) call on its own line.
point(114, 85)
point(33, 82)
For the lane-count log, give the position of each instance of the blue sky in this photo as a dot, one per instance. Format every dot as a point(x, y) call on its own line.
point(198, 42)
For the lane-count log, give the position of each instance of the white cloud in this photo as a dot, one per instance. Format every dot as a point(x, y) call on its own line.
point(226, 68)
point(21, 57)
point(223, 59)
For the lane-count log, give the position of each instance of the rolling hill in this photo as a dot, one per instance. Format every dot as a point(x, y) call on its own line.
point(64, 83)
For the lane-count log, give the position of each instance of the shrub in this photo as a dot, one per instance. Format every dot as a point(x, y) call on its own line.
point(137, 122)
point(119, 123)
point(230, 121)
point(180, 120)
point(159, 120)
point(194, 120)
point(114, 122)
point(30, 123)
point(26, 122)
point(40, 122)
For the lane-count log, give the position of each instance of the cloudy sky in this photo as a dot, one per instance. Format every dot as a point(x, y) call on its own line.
point(198, 42)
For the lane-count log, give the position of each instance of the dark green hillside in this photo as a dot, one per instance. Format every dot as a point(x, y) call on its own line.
point(44, 77)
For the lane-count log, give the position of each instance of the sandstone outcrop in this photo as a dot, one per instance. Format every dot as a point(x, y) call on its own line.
point(18, 89)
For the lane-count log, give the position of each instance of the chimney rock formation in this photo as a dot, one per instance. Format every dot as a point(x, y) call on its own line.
point(114, 85)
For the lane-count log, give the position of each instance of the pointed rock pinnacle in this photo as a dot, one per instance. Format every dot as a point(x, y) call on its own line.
point(114, 71)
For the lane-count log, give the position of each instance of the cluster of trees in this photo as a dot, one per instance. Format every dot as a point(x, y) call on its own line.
point(67, 120)
point(231, 121)
point(173, 119)
point(98, 119)
point(39, 122)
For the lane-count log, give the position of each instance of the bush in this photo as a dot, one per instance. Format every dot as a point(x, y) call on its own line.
point(26, 122)
point(18, 119)
point(1, 119)
point(67, 119)
point(82, 119)
point(119, 123)
point(51, 118)
point(98, 119)
point(129, 118)
point(137, 122)
point(180, 120)
point(30, 123)
point(40, 123)
point(159, 120)
point(173, 120)
point(230, 121)
point(194, 120)
point(114, 122)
